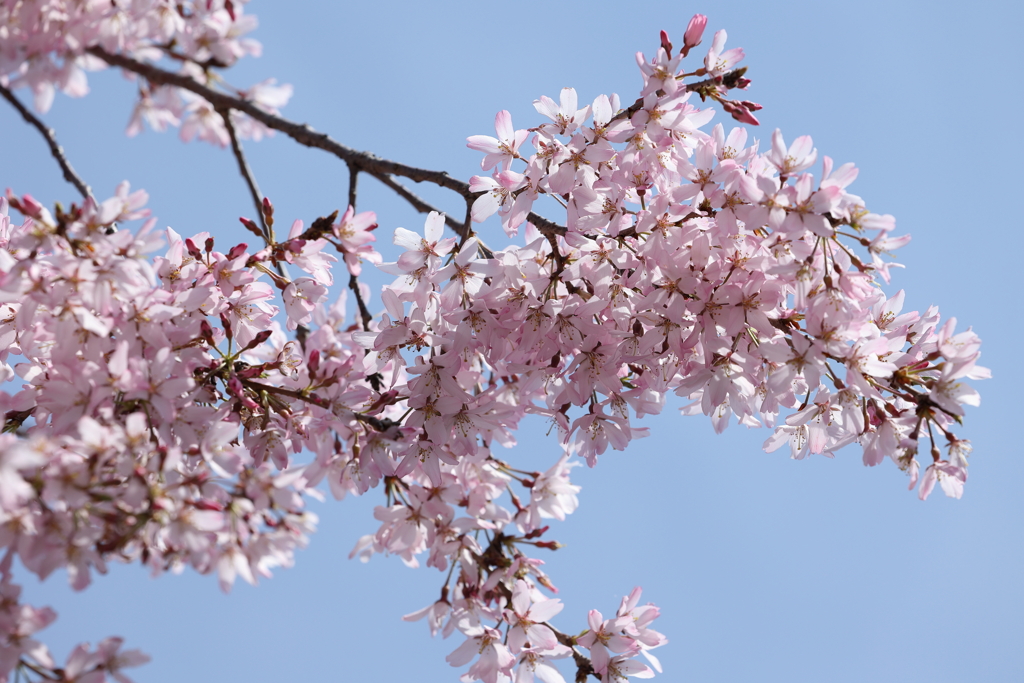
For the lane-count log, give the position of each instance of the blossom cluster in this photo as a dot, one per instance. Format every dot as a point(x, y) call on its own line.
point(44, 46)
point(163, 414)
point(694, 262)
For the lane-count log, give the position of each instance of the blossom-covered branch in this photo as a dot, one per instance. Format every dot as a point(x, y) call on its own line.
point(166, 417)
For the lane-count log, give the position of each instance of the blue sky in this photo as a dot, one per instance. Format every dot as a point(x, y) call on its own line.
point(765, 568)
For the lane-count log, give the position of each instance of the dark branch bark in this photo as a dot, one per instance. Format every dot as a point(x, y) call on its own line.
point(301, 133)
point(419, 204)
point(55, 149)
point(305, 135)
point(353, 185)
point(246, 171)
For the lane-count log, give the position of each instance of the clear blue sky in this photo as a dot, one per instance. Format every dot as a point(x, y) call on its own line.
point(766, 569)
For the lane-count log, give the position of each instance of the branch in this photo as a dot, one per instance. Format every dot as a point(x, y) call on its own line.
point(353, 185)
point(243, 168)
point(728, 80)
point(301, 133)
point(305, 135)
point(364, 312)
point(55, 149)
point(419, 204)
point(545, 226)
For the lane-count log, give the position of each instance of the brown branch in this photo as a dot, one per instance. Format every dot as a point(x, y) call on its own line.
point(418, 203)
point(728, 80)
point(584, 667)
point(307, 136)
point(55, 149)
point(545, 226)
point(353, 185)
point(364, 312)
point(301, 133)
point(311, 399)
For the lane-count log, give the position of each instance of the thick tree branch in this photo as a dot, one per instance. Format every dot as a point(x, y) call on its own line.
point(301, 133)
point(55, 149)
point(307, 136)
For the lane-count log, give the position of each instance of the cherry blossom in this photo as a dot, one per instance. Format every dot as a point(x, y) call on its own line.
point(176, 404)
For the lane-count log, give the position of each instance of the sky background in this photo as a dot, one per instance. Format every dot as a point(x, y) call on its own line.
point(765, 568)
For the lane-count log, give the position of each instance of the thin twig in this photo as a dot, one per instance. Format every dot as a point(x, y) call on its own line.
point(246, 171)
point(366, 318)
point(353, 185)
point(364, 312)
point(418, 203)
point(55, 149)
point(469, 221)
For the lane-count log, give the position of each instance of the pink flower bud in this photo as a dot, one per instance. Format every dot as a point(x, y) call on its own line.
point(237, 250)
point(193, 250)
point(740, 112)
point(30, 207)
point(666, 44)
point(258, 339)
point(226, 323)
point(251, 226)
point(694, 31)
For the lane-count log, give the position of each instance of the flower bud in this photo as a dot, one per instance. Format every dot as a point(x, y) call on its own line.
point(251, 226)
point(666, 44)
point(226, 323)
point(237, 250)
point(206, 331)
point(257, 340)
point(694, 32)
point(193, 250)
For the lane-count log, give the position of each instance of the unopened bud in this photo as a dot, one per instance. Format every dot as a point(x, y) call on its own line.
point(30, 207)
point(694, 32)
point(666, 44)
point(209, 244)
point(257, 340)
point(740, 112)
point(251, 226)
point(237, 251)
point(206, 331)
point(550, 545)
point(226, 323)
point(268, 212)
point(193, 250)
